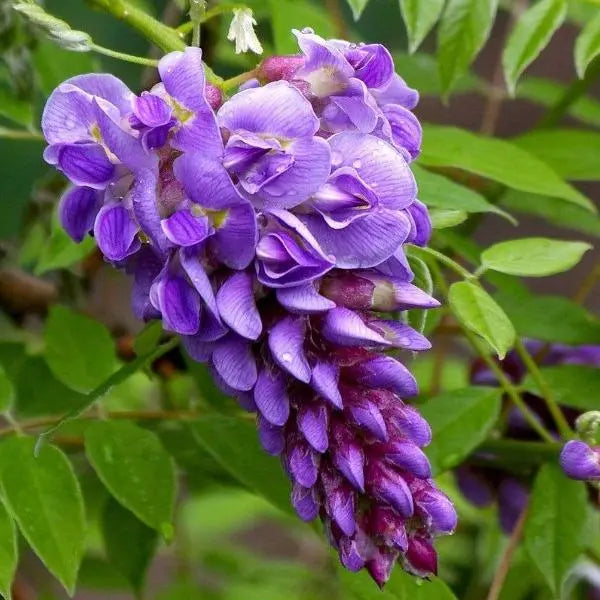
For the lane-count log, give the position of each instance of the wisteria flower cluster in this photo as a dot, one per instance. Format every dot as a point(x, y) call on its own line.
point(268, 231)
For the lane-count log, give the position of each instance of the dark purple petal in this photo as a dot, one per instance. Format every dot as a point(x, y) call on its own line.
point(350, 555)
point(421, 557)
point(146, 266)
point(346, 328)
point(347, 456)
point(116, 232)
point(512, 499)
point(381, 565)
point(234, 361)
point(303, 299)
point(386, 372)
point(324, 380)
point(313, 421)
point(86, 164)
point(474, 486)
point(303, 463)
point(271, 397)
point(236, 304)
point(389, 525)
point(77, 211)
point(407, 456)
point(580, 461)
point(389, 487)
point(365, 414)
point(340, 505)
point(409, 423)
point(286, 342)
point(304, 502)
point(271, 436)
point(184, 229)
point(151, 109)
point(178, 302)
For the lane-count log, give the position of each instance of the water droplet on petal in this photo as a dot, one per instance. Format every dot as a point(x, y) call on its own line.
point(357, 164)
point(286, 357)
point(336, 159)
point(308, 30)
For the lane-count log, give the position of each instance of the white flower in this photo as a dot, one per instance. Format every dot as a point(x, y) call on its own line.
point(242, 31)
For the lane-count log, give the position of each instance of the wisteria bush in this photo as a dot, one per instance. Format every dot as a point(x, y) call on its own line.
point(288, 261)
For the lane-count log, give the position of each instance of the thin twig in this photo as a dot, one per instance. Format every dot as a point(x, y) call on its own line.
point(504, 566)
point(337, 18)
point(587, 285)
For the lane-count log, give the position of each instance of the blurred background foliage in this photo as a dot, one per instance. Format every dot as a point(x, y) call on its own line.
point(234, 536)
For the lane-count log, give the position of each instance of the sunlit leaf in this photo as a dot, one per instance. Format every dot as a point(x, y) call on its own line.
point(357, 7)
point(419, 17)
point(587, 45)
point(9, 552)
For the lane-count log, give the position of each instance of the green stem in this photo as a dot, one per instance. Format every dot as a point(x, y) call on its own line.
point(220, 9)
point(20, 134)
point(519, 451)
point(140, 60)
point(235, 82)
point(546, 392)
point(446, 260)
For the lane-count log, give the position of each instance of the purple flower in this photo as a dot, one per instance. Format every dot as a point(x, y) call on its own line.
point(271, 146)
point(580, 461)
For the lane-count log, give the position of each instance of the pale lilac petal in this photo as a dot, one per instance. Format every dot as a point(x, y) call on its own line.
point(360, 113)
point(400, 335)
point(325, 378)
point(116, 232)
point(237, 307)
point(271, 397)
point(303, 299)
point(235, 363)
point(104, 86)
point(143, 200)
point(184, 229)
point(77, 211)
point(397, 92)
point(286, 342)
point(406, 130)
point(421, 224)
point(345, 327)
point(377, 68)
point(277, 108)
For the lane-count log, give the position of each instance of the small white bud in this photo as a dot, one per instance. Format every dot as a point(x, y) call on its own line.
point(242, 31)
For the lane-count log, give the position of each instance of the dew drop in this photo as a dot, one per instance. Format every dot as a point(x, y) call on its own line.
point(308, 30)
point(357, 164)
point(336, 158)
point(286, 357)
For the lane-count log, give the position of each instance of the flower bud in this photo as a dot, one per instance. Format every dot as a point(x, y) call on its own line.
point(580, 461)
point(275, 68)
point(588, 425)
point(381, 565)
point(421, 557)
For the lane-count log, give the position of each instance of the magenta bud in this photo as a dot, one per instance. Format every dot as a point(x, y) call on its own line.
point(213, 95)
point(275, 68)
point(388, 525)
point(421, 557)
point(349, 290)
point(381, 565)
point(580, 461)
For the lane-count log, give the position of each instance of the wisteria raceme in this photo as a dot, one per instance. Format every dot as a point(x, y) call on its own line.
point(268, 230)
point(483, 485)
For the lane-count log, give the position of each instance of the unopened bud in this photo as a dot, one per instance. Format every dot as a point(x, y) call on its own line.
point(276, 68)
point(587, 426)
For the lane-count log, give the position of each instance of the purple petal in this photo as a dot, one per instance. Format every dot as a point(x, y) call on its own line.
point(277, 108)
point(146, 266)
point(357, 107)
point(381, 565)
point(324, 381)
point(151, 109)
point(400, 335)
point(341, 508)
point(116, 232)
point(421, 557)
point(304, 502)
point(271, 436)
point(405, 128)
point(512, 499)
point(303, 464)
point(313, 420)
point(388, 524)
point(234, 361)
point(345, 327)
point(365, 414)
point(303, 299)
point(143, 199)
point(474, 486)
point(77, 211)
point(235, 301)
point(235, 237)
point(388, 373)
point(179, 304)
point(375, 66)
point(197, 348)
point(409, 422)
point(390, 487)
point(421, 224)
point(184, 229)
point(397, 92)
point(86, 164)
point(438, 509)
point(350, 556)
point(271, 397)
point(580, 461)
point(286, 342)
point(409, 457)
point(348, 456)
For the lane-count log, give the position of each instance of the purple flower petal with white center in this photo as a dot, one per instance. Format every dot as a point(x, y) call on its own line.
point(324, 380)
point(86, 164)
point(287, 254)
point(407, 456)
point(182, 74)
point(313, 420)
point(271, 397)
point(271, 436)
point(182, 228)
point(388, 373)
point(346, 328)
point(347, 456)
point(237, 307)
point(400, 335)
point(390, 487)
point(151, 109)
point(178, 303)
point(303, 299)
point(304, 502)
point(115, 232)
point(286, 342)
point(235, 363)
point(580, 461)
point(77, 211)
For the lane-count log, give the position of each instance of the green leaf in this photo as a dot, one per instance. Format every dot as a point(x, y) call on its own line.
point(401, 586)
point(418, 318)
point(442, 218)
point(587, 45)
point(18, 111)
point(419, 17)
point(554, 210)
point(7, 392)
point(555, 147)
point(495, 159)
point(438, 191)
point(530, 36)
point(533, 257)
point(148, 338)
point(129, 544)
point(478, 311)
point(295, 14)
point(9, 552)
point(134, 466)
point(42, 494)
point(60, 251)
point(233, 443)
point(357, 7)
point(571, 385)
point(79, 350)
point(463, 29)
point(550, 318)
point(554, 531)
point(460, 420)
